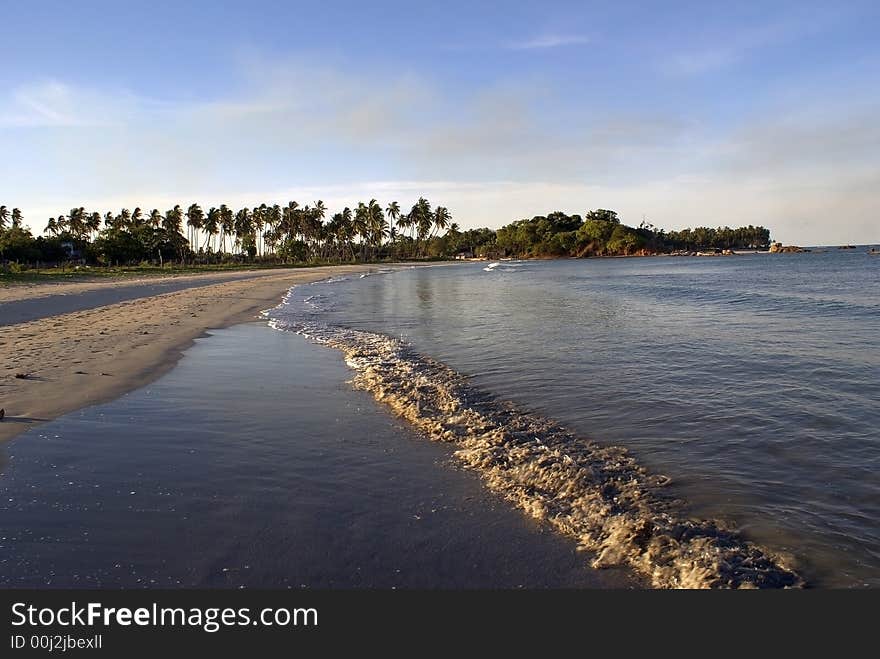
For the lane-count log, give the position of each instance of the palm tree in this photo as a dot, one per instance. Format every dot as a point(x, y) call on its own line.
point(156, 218)
point(405, 223)
point(195, 217)
point(93, 222)
point(76, 222)
point(173, 222)
point(258, 221)
point(51, 227)
point(136, 217)
point(227, 225)
point(4, 216)
point(212, 225)
point(377, 227)
point(16, 218)
point(242, 225)
point(346, 231)
point(320, 209)
point(360, 227)
point(422, 219)
point(393, 212)
point(123, 220)
point(290, 219)
point(273, 220)
point(441, 219)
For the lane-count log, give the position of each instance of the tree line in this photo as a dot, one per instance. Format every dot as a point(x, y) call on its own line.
point(601, 233)
point(304, 234)
point(264, 233)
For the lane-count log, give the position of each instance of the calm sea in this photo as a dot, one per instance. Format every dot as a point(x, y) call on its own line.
point(752, 382)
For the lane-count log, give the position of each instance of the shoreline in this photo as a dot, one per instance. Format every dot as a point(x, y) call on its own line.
point(288, 473)
point(83, 358)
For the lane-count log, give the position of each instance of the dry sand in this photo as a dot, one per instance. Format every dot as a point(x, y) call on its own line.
point(87, 357)
point(27, 291)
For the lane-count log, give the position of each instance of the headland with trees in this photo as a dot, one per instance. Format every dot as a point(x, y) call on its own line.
point(272, 234)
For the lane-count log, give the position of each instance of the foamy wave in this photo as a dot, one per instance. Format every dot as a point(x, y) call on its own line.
point(598, 495)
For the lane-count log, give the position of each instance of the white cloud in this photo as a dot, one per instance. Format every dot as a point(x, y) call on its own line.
point(491, 155)
point(718, 48)
point(549, 41)
point(54, 104)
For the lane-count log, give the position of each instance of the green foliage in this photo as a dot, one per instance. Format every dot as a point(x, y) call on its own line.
point(750, 237)
point(602, 234)
point(625, 240)
point(595, 231)
point(292, 250)
point(300, 234)
point(603, 215)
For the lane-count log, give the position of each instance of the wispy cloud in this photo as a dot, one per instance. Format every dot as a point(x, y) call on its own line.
point(723, 47)
point(51, 103)
point(549, 41)
point(287, 130)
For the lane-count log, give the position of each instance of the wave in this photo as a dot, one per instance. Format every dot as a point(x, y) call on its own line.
point(503, 266)
point(598, 495)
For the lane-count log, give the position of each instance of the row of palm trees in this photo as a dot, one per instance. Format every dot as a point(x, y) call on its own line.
point(272, 229)
point(14, 219)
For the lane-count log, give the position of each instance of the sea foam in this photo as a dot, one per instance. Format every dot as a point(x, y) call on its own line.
point(598, 495)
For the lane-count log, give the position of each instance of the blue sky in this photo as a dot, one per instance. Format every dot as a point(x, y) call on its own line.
point(684, 113)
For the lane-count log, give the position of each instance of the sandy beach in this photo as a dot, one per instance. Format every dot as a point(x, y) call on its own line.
point(71, 360)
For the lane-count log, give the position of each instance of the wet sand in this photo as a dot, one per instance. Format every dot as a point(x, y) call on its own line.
point(93, 355)
point(254, 463)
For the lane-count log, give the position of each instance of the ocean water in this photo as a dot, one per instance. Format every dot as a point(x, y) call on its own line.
point(704, 421)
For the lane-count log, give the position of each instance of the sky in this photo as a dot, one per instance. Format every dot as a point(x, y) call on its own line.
point(678, 113)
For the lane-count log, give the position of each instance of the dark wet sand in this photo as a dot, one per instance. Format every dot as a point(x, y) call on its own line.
point(95, 355)
point(253, 463)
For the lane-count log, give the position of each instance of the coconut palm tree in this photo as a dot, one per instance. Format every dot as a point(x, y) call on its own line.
point(195, 217)
point(93, 222)
point(156, 218)
point(361, 227)
point(260, 217)
point(242, 225)
point(212, 226)
point(173, 222)
point(422, 219)
point(320, 209)
point(17, 218)
point(123, 220)
point(227, 225)
point(347, 232)
point(52, 227)
point(290, 220)
point(441, 219)
point(76, 222)
point(377, 227)
point(4, 216)
point(393, 212)
point(405, 224)
point(274, 218)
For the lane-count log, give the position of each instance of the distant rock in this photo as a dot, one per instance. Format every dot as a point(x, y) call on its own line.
point(779, 248)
